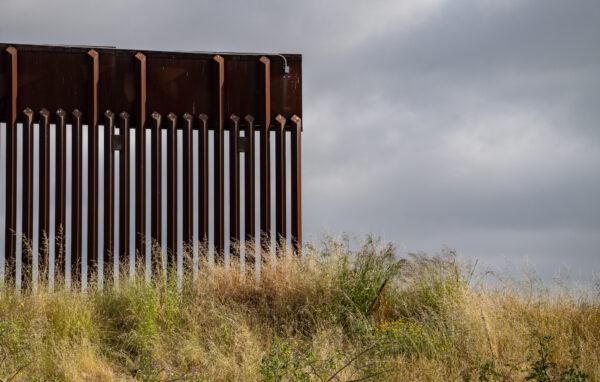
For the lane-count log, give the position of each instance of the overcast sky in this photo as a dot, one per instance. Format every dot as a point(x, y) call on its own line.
point(468, 124)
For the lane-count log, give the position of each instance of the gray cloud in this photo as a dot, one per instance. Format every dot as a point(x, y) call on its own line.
point(462, 123)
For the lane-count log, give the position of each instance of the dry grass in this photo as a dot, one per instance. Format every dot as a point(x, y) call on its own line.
point(337, 315)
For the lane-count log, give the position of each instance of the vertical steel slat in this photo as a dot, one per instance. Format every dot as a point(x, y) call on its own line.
point(280, 182)
point(2, 198)
point(109, 196)
point(34, 205)
point(203, 186)
point(117, 260)
point(188, 183)
point(76, 231)
point(171, 193)
point(164, 203)
point(68, 249)
point(92, 208)
point(52, 209)
point(249, 185)
point(124, 192)
point(156, 182)
point(44, 229)
point(51, 205)
point(234, 185)
point(61, 171)
point(11, 168)
point(101, 191)
point(19, 215)
point(140, 161)
point(265, 161)
point(219, 212)
point(296, 184)
point(133, 260)
point(179, 243)
point(85, 160)
point(150, 260)
point(27, 229)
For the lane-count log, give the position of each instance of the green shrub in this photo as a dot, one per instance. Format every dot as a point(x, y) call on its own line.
point(543, 369)
point(362, 279)
point(283, 363)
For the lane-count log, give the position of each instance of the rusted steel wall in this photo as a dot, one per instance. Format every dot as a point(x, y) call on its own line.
point(76, 127)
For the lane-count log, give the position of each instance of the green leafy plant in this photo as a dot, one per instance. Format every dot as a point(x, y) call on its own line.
point(283, 364)
point(543, 369)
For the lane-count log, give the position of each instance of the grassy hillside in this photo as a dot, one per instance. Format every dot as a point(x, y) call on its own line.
point(335, 316)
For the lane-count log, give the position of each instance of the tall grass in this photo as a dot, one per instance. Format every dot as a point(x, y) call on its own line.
point(335, 315)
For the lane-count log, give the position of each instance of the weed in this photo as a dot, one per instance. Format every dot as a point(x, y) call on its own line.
point(543, 369)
